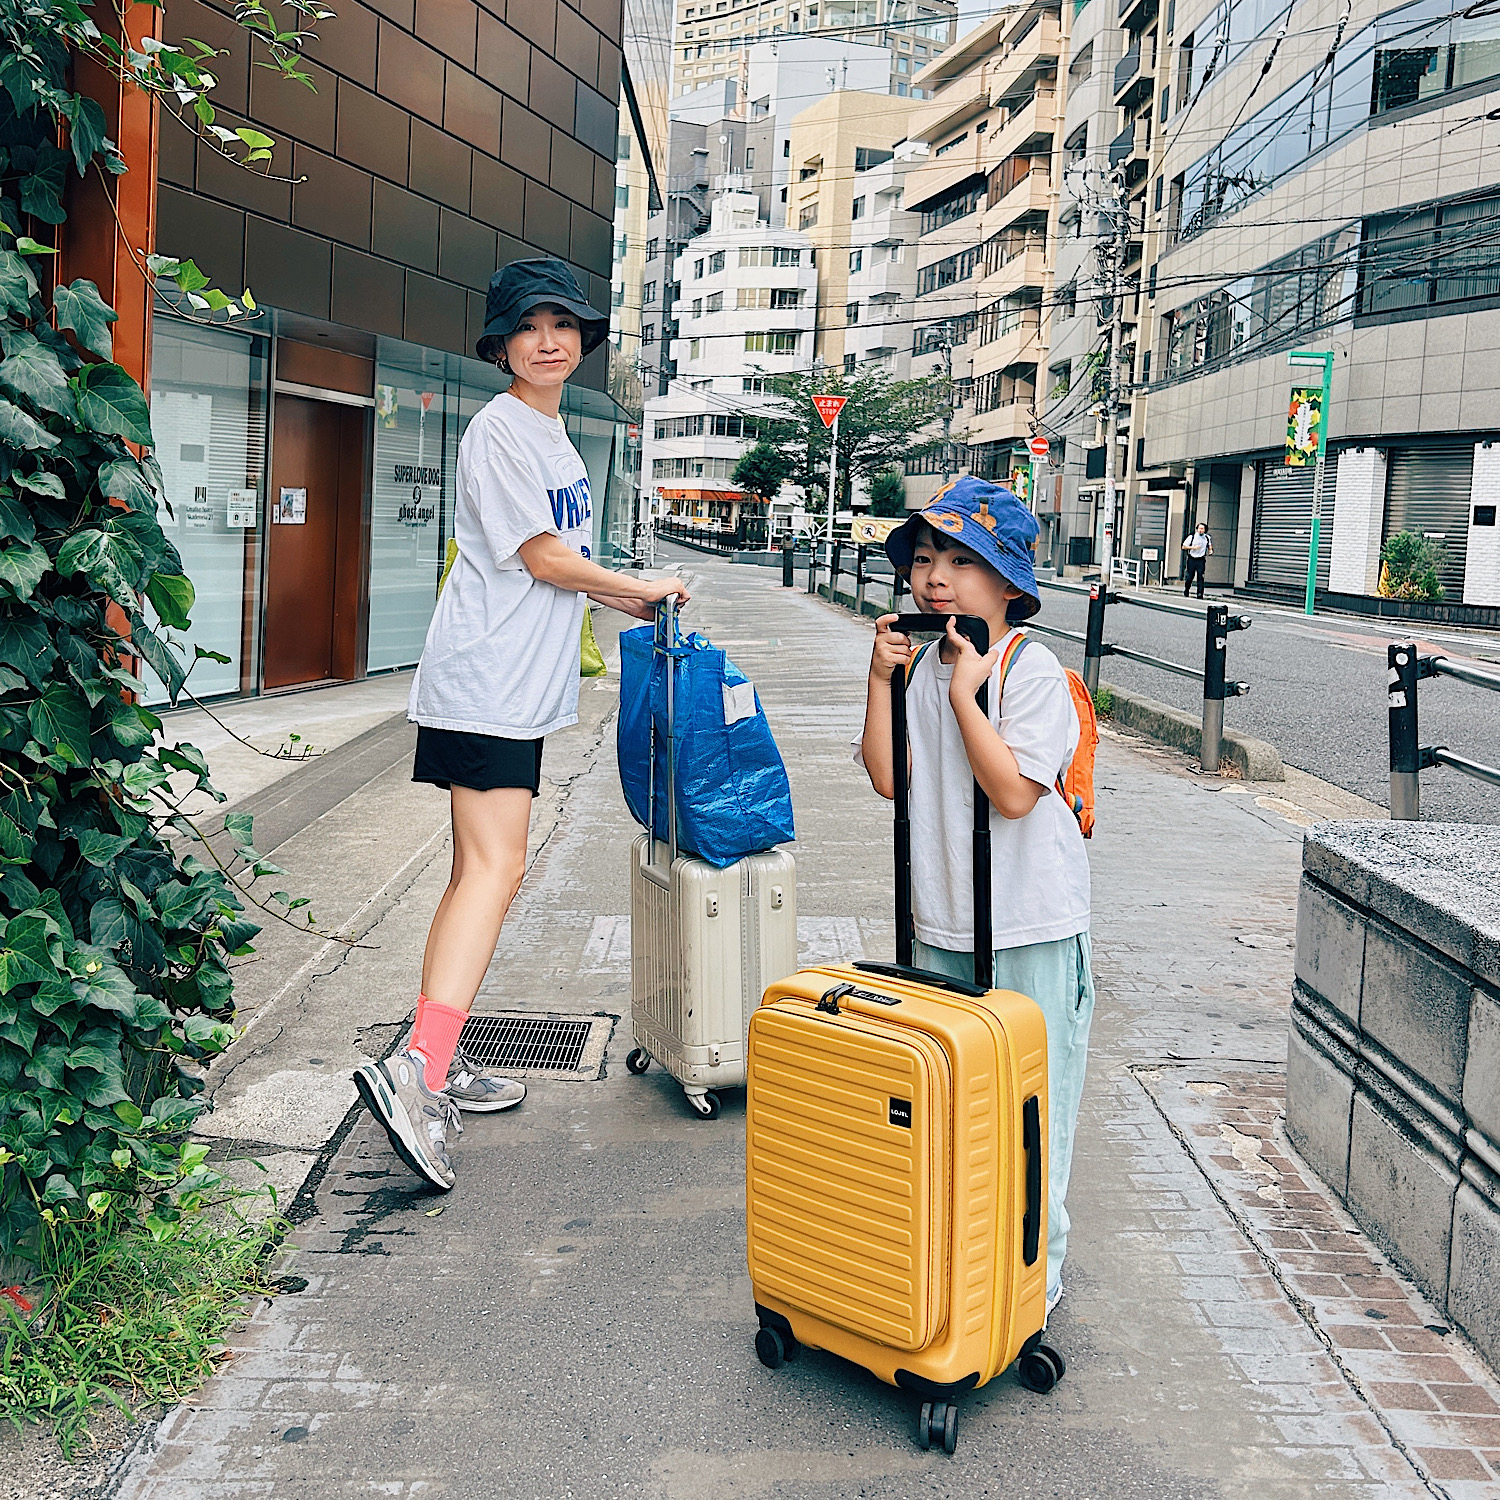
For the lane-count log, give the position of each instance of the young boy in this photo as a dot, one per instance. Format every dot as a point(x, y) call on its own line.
point(969, 553)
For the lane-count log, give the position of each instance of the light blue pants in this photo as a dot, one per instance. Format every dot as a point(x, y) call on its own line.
point(1059, 977)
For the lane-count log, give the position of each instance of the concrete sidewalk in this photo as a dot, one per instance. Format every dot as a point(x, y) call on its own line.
point(575, 1319)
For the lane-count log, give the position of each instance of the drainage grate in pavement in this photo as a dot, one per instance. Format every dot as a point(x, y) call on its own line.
point(552, 1045)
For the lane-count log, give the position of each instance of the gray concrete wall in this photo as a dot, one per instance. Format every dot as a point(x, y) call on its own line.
point(1393, 1065)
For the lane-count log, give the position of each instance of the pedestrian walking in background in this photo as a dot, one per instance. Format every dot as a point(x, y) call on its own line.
point(1199, 548)
point(499, 671)
point(969, 553)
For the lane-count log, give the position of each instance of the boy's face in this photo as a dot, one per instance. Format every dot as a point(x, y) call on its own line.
point(955, 581)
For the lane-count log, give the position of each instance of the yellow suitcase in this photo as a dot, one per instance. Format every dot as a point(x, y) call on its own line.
point(896, 1166)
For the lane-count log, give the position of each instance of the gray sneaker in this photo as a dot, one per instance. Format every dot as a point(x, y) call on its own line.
point(416, 1119)
point(480, 1092)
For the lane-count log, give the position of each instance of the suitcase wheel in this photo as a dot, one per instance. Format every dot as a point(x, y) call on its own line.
point(705, 1106)
point(770, 1348)
point(637, 1060)
point(937, 1426)
point(1041, 1368)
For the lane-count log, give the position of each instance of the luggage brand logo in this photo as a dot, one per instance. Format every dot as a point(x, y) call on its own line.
point(901, 1113)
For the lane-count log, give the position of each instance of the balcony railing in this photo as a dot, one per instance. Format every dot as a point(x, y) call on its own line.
point(1127, 67)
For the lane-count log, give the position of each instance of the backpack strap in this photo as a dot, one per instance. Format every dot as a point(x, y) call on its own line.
point(1007, 661)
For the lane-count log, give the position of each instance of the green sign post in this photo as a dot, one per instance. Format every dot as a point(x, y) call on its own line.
point(1307, 442)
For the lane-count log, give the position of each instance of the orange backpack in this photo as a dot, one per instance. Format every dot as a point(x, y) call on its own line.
point(1076, 784)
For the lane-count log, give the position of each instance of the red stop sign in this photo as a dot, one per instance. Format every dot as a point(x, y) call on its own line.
point(1039, 447)
point(829, 407)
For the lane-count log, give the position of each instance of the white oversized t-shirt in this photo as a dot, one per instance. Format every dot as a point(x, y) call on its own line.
point(501, 656)
point(1040, 880)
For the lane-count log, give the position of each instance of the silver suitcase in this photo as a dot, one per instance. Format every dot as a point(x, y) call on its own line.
point(704, 944)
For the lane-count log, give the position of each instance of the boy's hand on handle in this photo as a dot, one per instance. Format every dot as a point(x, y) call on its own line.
point(892, 649)
point(657, 589)
point(970, 670)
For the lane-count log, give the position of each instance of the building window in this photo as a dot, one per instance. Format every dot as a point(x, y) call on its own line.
point(857, 209)
point(648, 333)
point(955, 268)
point(783, 195)
point(653, 249)
point(808, 217)
point(620, 246)
point(648, 294)
point(692, 468)
point(903, 65)
point(749, 158)
point(849, 364)
point(785, 297)
point(697, 270)
point(698, 307)
point(856, 260)
point(851, 312)
point(957, 203)
point(947, 146)
point(772, 343)
point(786, 147)
point(902, 91)
point(622, 195)
point(716, 263)
point(715, 303)
point(1429, 257)
point(754, 385)
point(695, 348)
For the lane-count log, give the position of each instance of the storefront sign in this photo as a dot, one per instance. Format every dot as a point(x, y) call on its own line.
point(291, 507)
point(240, 508)
point(1304, 419)
point(198, 515)
point(873, 528)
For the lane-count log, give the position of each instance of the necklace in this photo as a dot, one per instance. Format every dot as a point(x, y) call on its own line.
point(553, 426)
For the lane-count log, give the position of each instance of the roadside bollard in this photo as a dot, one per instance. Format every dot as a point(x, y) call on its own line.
point(788, 562)
point(1406, 755)
point(859, 579)
point(812, 565)
point(1215, 688)
point(1093, 646)
point(835, 567)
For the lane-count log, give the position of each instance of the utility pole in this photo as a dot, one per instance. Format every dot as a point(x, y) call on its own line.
point(1112, 256)
point(948, 407)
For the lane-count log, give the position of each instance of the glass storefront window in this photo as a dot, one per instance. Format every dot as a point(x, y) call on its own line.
point(411, 511)
point(208, 415)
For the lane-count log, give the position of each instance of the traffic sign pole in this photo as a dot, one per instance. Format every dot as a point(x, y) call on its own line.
point(833, 470)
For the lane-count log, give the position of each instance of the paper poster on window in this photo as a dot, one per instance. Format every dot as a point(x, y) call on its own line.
point(199, 516)
point(181, 422)
point(386, 405)
point(291, 507)
point(240, 509)
point(1303, 423)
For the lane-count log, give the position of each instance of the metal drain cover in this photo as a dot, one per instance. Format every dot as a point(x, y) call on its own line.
point(548, 1046)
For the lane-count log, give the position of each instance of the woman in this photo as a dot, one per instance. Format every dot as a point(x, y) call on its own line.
point(499, 671)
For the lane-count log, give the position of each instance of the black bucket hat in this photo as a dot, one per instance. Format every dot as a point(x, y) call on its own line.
point(523, 284)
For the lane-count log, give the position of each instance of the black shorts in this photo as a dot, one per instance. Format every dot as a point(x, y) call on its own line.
point(482, 762)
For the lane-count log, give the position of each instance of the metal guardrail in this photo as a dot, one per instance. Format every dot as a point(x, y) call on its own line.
point(1218, 624)
point(832, 558)
point(1409, 756)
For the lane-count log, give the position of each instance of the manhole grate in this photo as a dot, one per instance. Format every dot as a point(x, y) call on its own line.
point(515, 1042)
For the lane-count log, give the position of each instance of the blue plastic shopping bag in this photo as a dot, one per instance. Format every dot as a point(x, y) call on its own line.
point(733, 797)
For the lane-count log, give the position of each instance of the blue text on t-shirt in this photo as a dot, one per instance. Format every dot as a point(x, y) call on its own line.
point(571, 507)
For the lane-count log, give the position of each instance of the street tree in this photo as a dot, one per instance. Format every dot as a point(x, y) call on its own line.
point(761, 470)
point(884, 422)
point(888, 493)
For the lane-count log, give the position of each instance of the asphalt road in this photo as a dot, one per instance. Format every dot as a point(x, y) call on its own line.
point(1317, 692)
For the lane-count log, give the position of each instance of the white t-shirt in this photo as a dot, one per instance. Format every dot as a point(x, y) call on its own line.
point(1040, 879)
point(1198, 545)
point(501, 656)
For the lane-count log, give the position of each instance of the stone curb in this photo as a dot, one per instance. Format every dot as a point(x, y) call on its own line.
point(1255, 760)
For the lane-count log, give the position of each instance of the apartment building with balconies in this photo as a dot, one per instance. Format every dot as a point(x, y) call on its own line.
point(746, 310)
point(836, 143)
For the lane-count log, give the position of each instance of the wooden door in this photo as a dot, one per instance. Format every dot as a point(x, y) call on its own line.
point(313, 552)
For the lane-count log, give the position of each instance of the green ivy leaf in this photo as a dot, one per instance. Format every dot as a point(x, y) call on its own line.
point(178, 904)
point(87, 131)
point(100, 848)
point(18, 430)
point(110, 401)
point(164, 662)
point(171, 596)
point(42, 483)
point(32, 370)
point(61, 717)
point(128, 724)
point(26, 646)
point(130, 1115)
point(22, 567)
point(81, 308)
point(25, 957)
point(124, 479)
point(17, 283)
point(15, 519)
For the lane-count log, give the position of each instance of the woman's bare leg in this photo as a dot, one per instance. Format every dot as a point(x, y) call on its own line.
point(489, 859)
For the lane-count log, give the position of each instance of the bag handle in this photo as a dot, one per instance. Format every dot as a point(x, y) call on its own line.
point(977, 632)
point(665, 639)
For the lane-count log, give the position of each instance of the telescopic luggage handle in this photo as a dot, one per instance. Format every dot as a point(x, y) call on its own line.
point(977, 632)
point(664, 639)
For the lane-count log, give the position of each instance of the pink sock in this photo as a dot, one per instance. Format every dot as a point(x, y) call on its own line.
point(434, 1035)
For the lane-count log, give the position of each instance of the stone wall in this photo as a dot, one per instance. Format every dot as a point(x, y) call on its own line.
point(1393, 1065)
